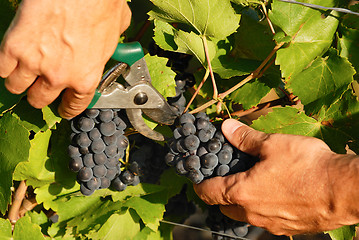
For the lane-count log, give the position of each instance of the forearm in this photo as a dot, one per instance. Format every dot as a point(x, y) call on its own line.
point(344, 181)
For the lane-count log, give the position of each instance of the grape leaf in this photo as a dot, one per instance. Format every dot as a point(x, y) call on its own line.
point(30, 117)
point(191, 43)
point(150, 208)
point(163, 78)
point(50, 115)
point(25, 229)
point(348, 45)
point(5, 229)
point(138, 190)
point(14, 148)
point(323, 82)
point(164, 35)
point(253, 40)
point(34, 170)
point(227, 65)
point(350, 20)
point(119, 226)
point(7, 100)
point(312, 33)
point(343, 233)
point(206, 17)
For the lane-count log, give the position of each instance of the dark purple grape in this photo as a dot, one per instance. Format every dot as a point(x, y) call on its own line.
point(204, 135)
point(202, 115)
point(105, 183)
point(188, 129)
point(224, 157)
point(75, 164)
point(110, 140)
point(98, 146)
point(99, 158)
point(192, 162)
point(195, 176)
point(120, 124)
point(220, 136)
point(214, 145)
point(202, 123)
point(127, 177)
point(85, 174)
point(99, 171)
point(180, 167)
point(136, 181)
point(111, 173)
point(187, 118)
point(107, 128)
point(112, 162)
point(85, 191)
point(73, 151)
point(222, 170)
point(88, 160)
point(105, 115)
point(207, 172)
point(94, 134)
point(94, 183)
point(122, 142)
point(85, 124)
point(82, 140)
point(92, 113)
point(201, 151)
point(118, 185)
point(191, 142)
point(170, 159)
point(209, 160)
point(111, 151)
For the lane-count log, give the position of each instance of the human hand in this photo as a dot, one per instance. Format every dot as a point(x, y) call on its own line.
point(297, 187)
point(63, 44)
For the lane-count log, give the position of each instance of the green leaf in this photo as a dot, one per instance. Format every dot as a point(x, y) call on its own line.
point(30, 117)
point(227, 65)
point(206, 17)
point(350, 20)
point(312, 33)
point(26, 230)
point(34, 170)
point(191, 43)
point(163, 78)
point(5, 229)
point(7, 100)
point(348, 45)
point(14, 148)
point(343, 233)
point(323, 82)
point(150, 208)
point(50, 115)
point(119, 226)
point(138, 190)
point(164, 35)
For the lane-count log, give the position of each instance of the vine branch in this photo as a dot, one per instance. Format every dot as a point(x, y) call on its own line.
point(255, 74)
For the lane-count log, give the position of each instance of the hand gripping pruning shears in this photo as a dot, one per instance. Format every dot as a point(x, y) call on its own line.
point(137, 95)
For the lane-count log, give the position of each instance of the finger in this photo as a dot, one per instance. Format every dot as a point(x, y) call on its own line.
point(41, 93)
point(235, 212)
point(227, 190)
point(20, 79)
point(74, 103)
point(244, 137)
point(7, 64)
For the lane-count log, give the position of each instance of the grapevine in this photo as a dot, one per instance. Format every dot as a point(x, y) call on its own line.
point(89, 177)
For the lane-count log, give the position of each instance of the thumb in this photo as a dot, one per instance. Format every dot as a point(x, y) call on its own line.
point(244, 137)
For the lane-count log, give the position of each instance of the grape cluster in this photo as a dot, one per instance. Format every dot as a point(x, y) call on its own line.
point(97, 145)
point(146, 158)
point(199, 151)
point(223, 224)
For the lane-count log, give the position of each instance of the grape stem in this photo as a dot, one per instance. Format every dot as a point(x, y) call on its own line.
point(205, 45)
point(255, 74)
point(18, 197)
point(27, 205)
point(268, 20)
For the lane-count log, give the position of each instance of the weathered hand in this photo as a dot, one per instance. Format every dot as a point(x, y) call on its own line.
point(62, 44)
point(297, 187)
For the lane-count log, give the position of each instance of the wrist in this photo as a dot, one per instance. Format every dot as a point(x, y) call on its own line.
point(343, 176)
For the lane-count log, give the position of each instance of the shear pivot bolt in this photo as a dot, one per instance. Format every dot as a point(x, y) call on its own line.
point(140, 98)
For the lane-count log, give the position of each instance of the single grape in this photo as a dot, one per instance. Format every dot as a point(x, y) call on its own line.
point(94, 134)
point(179, 146)
point(112, 162)
point(195, 176)
point(202, 115)
point(209, 160)
point(192, 162)
point(84, 150)
point(191, 142)
point(88, 160)
point(105, 115)
point(204, 135)
point(110, 140)
point(219, 136)
point(136, 181)
point(214, 145)
point(75, 164)
point(111, 151)
point(73, 151)
point(111, 173)
point(127, 177)
point(120, 124)
point(73, 125)
point(99, 171)
point(99, 158)
point(187, 118)
point(201, 151)
point(240, 231)
point(107, 128)
point(105, 183)
point(98, 146)
point(207, 172)
point(85, 124)
point(227, 147)
point(92, 113)
point(202, 123)
point(85, 174)
point(83, 140)
point(122, 142)
point(188, 129)
point(222, 170)
point(176, 133)
point(170, 159)
point(224, 157)
point(118, 185)
point(180, 167)
point(94, 183)
point(85, 191)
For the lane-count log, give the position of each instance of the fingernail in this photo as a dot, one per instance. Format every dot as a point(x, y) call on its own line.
point(229, 126)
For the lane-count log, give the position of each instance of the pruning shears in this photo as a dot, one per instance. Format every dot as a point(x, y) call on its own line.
point(137, 95)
